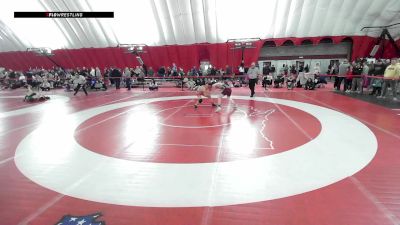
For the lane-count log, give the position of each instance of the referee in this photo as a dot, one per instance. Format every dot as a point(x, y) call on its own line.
point(252, 74)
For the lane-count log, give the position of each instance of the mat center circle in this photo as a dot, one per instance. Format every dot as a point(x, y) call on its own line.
point(175, 132)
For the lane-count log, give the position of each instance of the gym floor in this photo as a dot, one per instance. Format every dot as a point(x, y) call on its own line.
point(148, 158)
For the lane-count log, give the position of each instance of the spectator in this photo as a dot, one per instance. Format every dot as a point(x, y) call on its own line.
point(301, 78)
point(241, 69)
point(128, 78)
point(150, 72)
point(228, 70)
point(273, 70)
point(390, 79)
point(92, 72)
point(169, 71)
point(194, 71)
point(357, 83)
point(174, 70)
point(376, 83)
point(116, 77)
point(365, 72)
point(398, 76)
point(161, 71)
point(97, 73)
point(343, 70)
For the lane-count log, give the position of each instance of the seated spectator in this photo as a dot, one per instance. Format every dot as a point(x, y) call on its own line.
point(279, 80)
point(267, 80)
point(161, 71)
point(237, 83)
point(45, 86)
point(100, 85)
point(191, 85)
point(153, 86)
point(310, 84)
point(290, 82)
point(22, 79)
point(150, 72)
point(181, 72)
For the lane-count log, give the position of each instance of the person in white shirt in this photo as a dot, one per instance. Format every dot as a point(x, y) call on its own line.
point(253, 74)
point(98, 73)
point(22, 79)
point(92, 72)
point(128, 78)
point(81, 80)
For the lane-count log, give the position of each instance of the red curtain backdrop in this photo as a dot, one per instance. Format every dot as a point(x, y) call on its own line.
point(185, 56)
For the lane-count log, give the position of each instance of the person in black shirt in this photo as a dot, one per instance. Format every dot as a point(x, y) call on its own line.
point(357, 79)
point(116, 76)
point(378, 70)
point(161, 71)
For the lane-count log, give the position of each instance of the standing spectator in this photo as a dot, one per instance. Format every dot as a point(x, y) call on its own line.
point(301, 78)
point(253, 74)
point(266, 70)
point(98, 73)
point(273, 70)
point(376, 83)
point(292, 70)
point(286, 69)
point(343, 70)
point(116, 76)
point(357, 82)
point(282, 70)
point(107, 80)
point(365, 73)
point(317, 69)
point(398, 76)
point(128, 78)
point(390, 79)
point(50, 78)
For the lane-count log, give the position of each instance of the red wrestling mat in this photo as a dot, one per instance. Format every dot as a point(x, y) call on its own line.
point(173, 132)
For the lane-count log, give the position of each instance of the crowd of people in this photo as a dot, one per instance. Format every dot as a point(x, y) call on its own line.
point(300, 76)
point(356, 76)
point(361, 74)
point(350, 77)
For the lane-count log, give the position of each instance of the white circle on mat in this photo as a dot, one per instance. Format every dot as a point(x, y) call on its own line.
point(51, 157)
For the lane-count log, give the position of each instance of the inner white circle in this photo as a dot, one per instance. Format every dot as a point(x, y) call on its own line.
point(51, 157)
point(198, 127)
